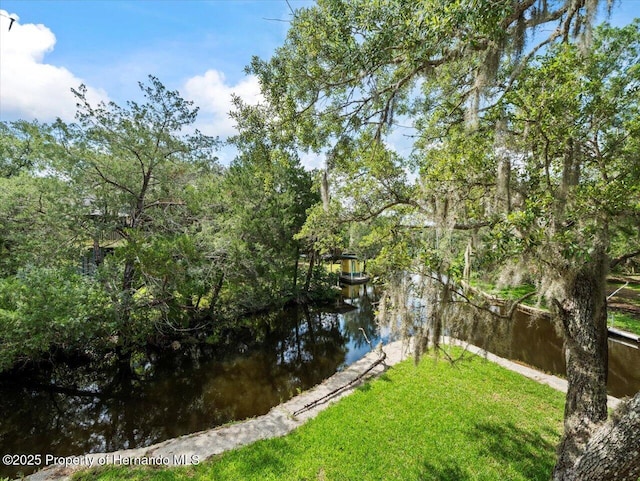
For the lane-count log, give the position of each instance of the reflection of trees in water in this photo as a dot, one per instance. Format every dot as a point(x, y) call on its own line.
point(188, 392)
point(315, 346)
point(361, 319)
point(431, 305)
point(624, 375)
point(480, 325)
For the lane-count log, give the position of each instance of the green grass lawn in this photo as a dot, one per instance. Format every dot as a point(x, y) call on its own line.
point(633, 286)
point(470, 421)
point(617, 319)
point(509, 293)
point(623, 321)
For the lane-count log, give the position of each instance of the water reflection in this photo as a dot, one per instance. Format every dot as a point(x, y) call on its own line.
point(534, 341)
point(75, 411)
point(359, 320)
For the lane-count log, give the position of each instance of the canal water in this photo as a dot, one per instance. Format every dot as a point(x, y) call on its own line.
point(72, 411)
point(535, 342)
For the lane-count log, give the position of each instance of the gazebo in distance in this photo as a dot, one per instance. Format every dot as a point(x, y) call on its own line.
point(352, 270)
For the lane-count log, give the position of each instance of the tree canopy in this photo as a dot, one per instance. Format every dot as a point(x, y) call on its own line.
point(140, 236)
point(523, 163)
point(520, 129)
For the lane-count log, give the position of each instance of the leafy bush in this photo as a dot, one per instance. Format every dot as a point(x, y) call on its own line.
point(42, 307)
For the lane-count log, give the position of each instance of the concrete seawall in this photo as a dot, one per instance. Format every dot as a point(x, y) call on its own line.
point(281, 420)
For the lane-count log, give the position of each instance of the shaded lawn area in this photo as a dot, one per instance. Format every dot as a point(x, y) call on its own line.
point(469, 421)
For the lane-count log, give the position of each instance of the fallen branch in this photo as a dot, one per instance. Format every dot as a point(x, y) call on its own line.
point(335, 392)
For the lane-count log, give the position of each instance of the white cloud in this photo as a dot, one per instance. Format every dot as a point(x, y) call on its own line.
point(29, 88)
point(213, 95)
point(311, 160)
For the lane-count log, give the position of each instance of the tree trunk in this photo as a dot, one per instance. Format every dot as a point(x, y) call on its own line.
point(97, 252)
point(503, 187)
point(123, 350)
point(295, 271)
point(613, 452)
point(503, 174)
point(324, 190)
point(466, 273)
point(583, 314)
point(307, 282)
point(215, 293)
point(127, 290)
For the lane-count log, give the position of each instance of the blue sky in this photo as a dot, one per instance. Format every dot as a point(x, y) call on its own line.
point(199, 47)
point(109, 43)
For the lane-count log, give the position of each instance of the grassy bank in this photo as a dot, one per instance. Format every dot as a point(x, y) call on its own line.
point(470, 421)
point(625, 322)
point(617, 318)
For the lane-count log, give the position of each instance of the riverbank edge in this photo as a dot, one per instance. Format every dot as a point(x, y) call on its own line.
point(280, 420)
point(539, 311)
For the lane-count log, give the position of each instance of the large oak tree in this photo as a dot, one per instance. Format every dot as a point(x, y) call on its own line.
point(524, 147)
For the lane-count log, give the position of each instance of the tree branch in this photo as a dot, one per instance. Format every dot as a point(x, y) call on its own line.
point(112, 182)
point(377, 212)
point(619, 260)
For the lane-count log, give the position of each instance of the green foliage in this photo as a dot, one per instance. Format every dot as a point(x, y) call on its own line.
point(130, 168)
point(575, 116)
point(523, 164)
point(36, 227)
point(391, 258)
point(45, 309)
point(346, 74)
point(171, 241)
point(21, 147)
point(348, 69)
point(267, 193)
